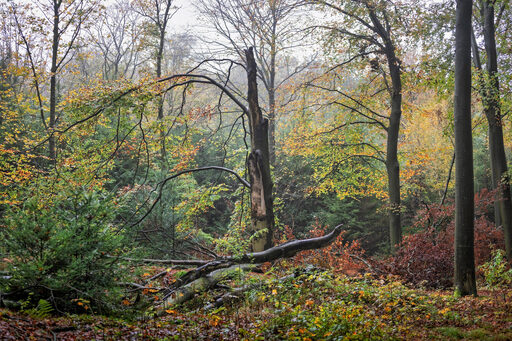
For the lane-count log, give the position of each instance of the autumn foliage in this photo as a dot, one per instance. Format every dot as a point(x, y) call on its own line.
point(341, 256)
point(426, 257)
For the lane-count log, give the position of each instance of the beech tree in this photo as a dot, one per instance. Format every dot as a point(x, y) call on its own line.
point(268, 27)
point(368, 25)
point(65, 19)
point(490, 92)
point(465, 283)
point(158, 15)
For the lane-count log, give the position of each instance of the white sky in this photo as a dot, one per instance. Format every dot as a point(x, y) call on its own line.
point(186, 19)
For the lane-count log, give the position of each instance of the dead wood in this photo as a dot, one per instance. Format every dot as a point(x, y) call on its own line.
point(208, 275)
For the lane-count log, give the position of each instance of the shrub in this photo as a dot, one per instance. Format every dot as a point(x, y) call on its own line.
point(340, 256)
point(57, 247)
point(426, 257)
point(497, 271)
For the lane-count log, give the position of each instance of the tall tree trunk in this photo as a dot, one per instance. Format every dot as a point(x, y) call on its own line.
point(392, 164)
point(53, 81)
point(160, 117)
point(258, 165)
point(492, 111)
point(161, 23)
point(272, 95)
point(465, 283)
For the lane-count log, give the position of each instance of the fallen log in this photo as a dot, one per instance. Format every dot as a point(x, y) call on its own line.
point(287, 250)
point(202, 284)
point(208, 275)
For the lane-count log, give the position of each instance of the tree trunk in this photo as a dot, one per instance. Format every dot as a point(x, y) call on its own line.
point(160, 116)
point(492, 111)
point(53, 82)
point(258, 165)
point(162, 28)
point(392, 164)
point(272, 96)
point(465, 283)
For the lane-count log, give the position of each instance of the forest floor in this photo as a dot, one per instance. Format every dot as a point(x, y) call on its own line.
point(307, 306)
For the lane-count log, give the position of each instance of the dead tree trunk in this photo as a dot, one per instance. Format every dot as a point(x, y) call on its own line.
point(258, 165)
point(208, 275)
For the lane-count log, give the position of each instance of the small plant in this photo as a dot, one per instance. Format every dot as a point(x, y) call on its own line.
point(43, 308)
point(497, 271)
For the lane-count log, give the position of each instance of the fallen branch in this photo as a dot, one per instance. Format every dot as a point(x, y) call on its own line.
point(137, 286)
point(202, 284)
point(208, 275)
point(184, 262)
point(287, 250)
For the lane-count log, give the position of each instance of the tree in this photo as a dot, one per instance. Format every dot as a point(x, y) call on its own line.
point(490, 93)
point(465, 283)
point(65, 20)
point(258, 164)
point(158, 15)
point(368, 25)
point(117, 35)
point(268, 27)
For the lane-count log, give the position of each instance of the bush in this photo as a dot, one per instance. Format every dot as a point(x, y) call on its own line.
point(426, 257)
point(341, 256)
point(56, 249)
point(497, 271)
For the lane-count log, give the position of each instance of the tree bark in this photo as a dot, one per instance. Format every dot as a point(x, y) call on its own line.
point(392, 164)
point(465, 283)
point(272, 94)
point(492, 110)
point(201, 284)
point(53, 81)
point(258, 165)
point(161, 23)
point(208, 275)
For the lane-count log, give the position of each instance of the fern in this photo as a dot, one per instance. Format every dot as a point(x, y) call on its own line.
point(42, 310)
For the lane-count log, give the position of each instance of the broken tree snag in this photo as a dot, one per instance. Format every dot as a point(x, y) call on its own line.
point(262, 215)
point(258, 164)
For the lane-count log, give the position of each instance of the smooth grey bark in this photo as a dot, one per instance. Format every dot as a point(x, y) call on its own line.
point(162, 23)
point(465, 283)
point(53, 80)
point(492, 110)
point(379, 36)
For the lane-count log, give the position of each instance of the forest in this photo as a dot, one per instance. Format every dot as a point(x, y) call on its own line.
point(255, 170)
